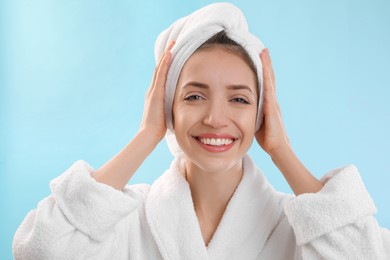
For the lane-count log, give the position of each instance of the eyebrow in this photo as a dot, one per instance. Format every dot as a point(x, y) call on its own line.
point(196, 84)
point(205, 86)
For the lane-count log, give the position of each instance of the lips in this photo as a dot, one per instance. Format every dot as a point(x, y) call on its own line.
point(215, 142)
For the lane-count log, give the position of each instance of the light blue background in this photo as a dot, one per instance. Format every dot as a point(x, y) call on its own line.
point(73, 76)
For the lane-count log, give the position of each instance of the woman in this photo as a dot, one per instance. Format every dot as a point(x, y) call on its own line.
point(214, 90)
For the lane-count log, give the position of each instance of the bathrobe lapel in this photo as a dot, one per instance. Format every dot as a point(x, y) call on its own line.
point(249, 219)
point(171, 216)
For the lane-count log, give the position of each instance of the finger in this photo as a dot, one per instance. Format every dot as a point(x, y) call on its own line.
point(161, 61)
point(170, 45)
point(266, 60)
point(157, 67)
point(268, 76)
point(162, 72)
point(153, 80)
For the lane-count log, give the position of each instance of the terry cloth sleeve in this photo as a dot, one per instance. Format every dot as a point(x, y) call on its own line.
point(82, 218)
point(338, 221)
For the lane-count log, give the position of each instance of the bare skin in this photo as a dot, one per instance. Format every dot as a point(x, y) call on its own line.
point(211, 196)
point(210, 192)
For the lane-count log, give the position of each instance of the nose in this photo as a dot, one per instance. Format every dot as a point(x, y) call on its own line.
point(216, 115)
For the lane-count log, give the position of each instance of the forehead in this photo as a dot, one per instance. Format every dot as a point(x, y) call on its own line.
point(217, 65)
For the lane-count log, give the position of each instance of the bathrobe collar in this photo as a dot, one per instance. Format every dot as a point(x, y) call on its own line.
point(251, 215)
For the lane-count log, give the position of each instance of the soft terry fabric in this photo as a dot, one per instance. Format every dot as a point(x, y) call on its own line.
point(192, 31)
point(84, 219)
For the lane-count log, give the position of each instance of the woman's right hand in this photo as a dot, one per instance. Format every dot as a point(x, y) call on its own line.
point(153, 119)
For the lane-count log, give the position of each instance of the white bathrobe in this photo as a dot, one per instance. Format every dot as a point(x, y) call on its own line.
point(84, 219)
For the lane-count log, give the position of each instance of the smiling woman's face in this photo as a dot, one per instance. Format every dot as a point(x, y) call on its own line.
point(215, 108)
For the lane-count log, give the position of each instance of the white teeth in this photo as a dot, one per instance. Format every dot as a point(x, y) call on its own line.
point(216, 142)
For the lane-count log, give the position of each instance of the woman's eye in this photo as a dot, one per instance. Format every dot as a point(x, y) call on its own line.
point(240, 100)
point(193, 97)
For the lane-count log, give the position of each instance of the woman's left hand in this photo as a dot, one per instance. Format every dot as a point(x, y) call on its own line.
point(272, 135)
point(273, 138)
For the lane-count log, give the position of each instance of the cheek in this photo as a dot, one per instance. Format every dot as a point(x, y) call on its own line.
point(182, 117)
point(247, 121)
point(184, 121)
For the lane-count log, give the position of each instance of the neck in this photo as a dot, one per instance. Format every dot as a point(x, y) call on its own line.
point(212, 191)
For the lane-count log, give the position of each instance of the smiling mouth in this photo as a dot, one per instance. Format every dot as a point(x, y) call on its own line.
point(215, 141)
